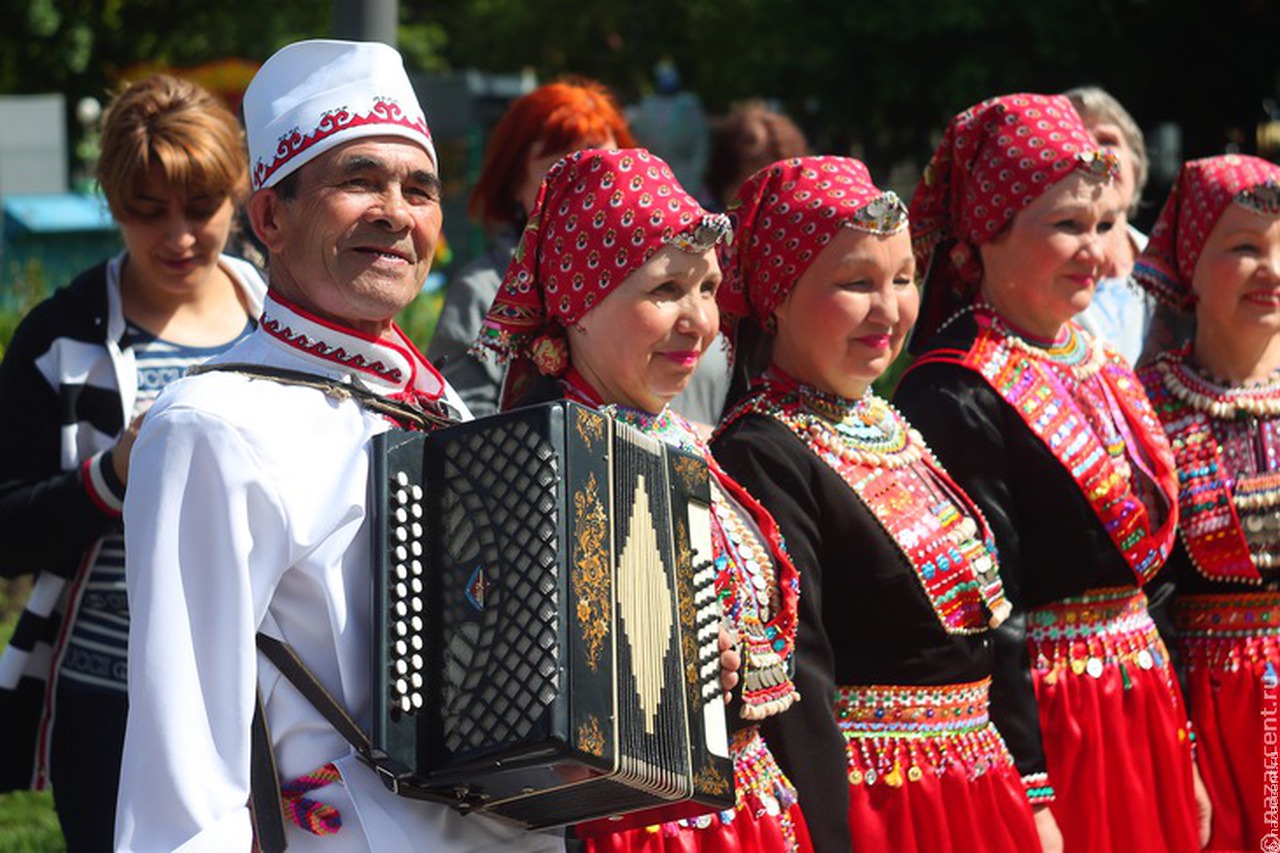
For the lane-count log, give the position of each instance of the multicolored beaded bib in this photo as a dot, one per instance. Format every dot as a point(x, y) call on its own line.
point(887, 465)
point(1087, 408)
point(1212, 498)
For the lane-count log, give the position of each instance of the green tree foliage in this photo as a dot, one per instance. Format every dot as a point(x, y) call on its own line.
point(884, 77)
point(77, 47)
point(878, 79)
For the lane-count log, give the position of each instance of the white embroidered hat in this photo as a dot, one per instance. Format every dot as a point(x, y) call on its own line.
point(313, 95)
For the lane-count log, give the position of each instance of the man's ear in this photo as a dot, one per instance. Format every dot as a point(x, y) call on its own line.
point(268, 217)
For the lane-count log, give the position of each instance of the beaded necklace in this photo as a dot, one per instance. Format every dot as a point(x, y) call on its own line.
point(886, 464)
point(1210, 503)
point(1214, 397)
point(756, 581)
point(1060, 393)
point(1078, 354)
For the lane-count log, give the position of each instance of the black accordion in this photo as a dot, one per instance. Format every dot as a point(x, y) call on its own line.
point(546, 623)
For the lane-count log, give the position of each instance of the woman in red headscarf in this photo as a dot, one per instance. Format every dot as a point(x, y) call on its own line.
point(1050, 433)
point(892, 748)
point(611, 297)
point(1215, 252)
point(537, 129)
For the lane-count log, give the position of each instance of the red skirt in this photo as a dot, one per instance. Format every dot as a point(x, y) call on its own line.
point(1229, 642)
point(928, 772)
point(767, 817)
point(1113, 725)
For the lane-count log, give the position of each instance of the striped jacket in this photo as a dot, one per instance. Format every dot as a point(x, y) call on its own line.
point(67, 390)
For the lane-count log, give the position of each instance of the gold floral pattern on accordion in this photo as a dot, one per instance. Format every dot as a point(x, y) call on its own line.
point(590, 738)
point(691, 472)
point(590, 577)
point(709, 779)
point(688, 610)
point(590, 427)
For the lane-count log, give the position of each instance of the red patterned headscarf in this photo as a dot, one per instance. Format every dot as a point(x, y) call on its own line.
point(1200, 196)
point(995, 158)
point(783, 217)
point(600, 216)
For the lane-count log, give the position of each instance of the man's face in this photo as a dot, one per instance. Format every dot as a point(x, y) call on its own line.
point(354, 244)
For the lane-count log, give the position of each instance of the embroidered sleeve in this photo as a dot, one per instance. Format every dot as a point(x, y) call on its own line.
point(1039, 791)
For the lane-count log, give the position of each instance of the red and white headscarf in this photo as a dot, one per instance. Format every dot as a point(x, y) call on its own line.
point(1202, 193)
point(783, 216)
point(600, 216)
point(994, 160)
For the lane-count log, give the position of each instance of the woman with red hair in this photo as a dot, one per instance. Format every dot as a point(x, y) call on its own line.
point(537, 130)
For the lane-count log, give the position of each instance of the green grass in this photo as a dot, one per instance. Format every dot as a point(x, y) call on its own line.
point(28, 823)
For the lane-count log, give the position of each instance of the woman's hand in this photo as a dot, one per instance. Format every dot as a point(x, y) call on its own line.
point(1047, 829)
point(730, 663)
point(1204, 808)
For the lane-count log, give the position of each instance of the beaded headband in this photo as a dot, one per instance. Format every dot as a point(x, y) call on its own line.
point(1263, 199)
point(884, 215)
point(706, 235)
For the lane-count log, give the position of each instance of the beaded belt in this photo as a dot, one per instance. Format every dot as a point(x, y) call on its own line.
point(1088, 633)
point(897, 734)
point(1233, 632)
point(906, 711)
point(762, 786)
point(1250, 614)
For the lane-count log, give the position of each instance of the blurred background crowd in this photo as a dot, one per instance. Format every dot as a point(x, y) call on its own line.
point(873, 83)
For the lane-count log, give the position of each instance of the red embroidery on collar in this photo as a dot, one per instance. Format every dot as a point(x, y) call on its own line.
point(293, 143)
point(338, 355)
point(1210, 526)
point(1038, 394)
point(421, 371)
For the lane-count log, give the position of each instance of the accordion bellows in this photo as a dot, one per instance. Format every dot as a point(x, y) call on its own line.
point(546, 619)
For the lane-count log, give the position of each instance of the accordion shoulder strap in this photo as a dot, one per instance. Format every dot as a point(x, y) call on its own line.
point(291, 667)
point(264, 788)
point(430, 416)
point(390, 771)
